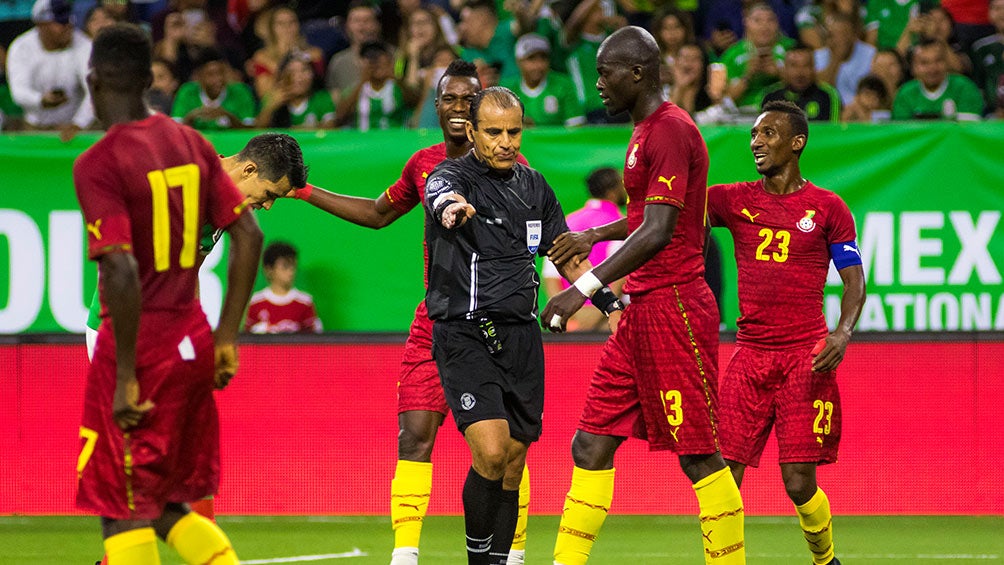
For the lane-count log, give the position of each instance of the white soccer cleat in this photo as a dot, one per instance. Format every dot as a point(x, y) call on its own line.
point(404, 556)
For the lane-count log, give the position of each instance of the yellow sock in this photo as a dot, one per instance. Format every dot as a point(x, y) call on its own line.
point(409, 499)
point(201, 542)
point(586, 506)
point(134, 547)
point(817, 526)
point(721, 518)
point(519, 540)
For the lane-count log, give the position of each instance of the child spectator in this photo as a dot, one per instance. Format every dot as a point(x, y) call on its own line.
point(160, 96)
point(870, 104)
point(377, 102)
point(211, 102)
point(889, 66)
point(295, 101)
point(280, 307)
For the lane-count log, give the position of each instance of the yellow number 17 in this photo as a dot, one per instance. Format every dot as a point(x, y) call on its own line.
point(185, 177)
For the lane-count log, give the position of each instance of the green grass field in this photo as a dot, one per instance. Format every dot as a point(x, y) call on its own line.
point(636, 540)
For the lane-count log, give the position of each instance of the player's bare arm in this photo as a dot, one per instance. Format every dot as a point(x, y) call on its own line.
point(654, 233)
point(120, 282)
point(851, 303)
point(576, 245)
point(245, 249)
point(367, 212)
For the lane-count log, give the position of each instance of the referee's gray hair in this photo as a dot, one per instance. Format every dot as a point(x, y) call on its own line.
point(500, 96)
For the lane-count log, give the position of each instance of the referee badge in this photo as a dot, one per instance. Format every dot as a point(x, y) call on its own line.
point(533, 235)
point(467, 401)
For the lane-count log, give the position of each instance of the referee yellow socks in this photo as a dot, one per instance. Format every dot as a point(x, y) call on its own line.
point(133, 547)
point(721, 518)
point(409, 499)
point(586, 506)
point(199, 541)
point(817, 526)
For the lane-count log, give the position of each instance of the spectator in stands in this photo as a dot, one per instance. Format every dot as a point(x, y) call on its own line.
point(486, 39)
point(672, 29)
point(889, 66)
point(206, 18)
point(211, 101)
point(47, 69)
point(606, 198)
point(425, 115)
point(97, 18)
point(936, 24)
point(845, 59)
point(936, 93)
point(160, 95)
point(988, 62)
point(689, 89)
point(972, 21)
point(282, 37)
point(377, 102)
point(584, 30)
point(812, 19)
point(183, 41)
point(729, 17)
point(11, 115)
point(548, 97)
point(754, 64)
point(421, 40)
point(886, 19)
point(820, 101)
point(294, 101)
point(344, 68)
point(871, 103)
point(281, 307)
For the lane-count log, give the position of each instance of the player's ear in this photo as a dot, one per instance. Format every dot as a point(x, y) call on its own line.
point(469, 127)
point(250, 168)
point(798, 143)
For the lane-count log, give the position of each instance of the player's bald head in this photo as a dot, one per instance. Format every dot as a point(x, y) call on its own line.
point(634, 46)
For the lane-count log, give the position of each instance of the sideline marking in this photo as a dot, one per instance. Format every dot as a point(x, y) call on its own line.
point(356, 552)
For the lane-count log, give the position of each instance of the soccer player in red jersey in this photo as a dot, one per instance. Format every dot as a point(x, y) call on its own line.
point(421, 404)
point(783, 372)
point(150, 430)
point(657, 375)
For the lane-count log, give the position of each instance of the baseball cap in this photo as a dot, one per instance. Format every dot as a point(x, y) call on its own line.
point(58, 11)
point(531, 43)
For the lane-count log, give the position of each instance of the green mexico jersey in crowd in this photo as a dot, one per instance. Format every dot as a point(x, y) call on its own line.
point(890, 17)
point(501, 49)
point(956, 98)
point(236, 98)
point(312, 112)
point(988, 68)
point(7, 106)
point(553, 103)
point(206, 244)
point(581, 64)
point(736, 59)
point(821, 102)
point(380, 109)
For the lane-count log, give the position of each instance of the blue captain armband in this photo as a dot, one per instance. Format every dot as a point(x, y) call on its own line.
point(845, 254)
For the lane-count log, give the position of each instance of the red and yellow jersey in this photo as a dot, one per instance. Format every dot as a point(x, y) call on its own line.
point(148, 187)
point(667, 164)
point(783, 247)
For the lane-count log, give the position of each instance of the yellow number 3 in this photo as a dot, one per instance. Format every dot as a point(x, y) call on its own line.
point(90, 438)
point(783, 238)
point(824, 418)
point(672, 405)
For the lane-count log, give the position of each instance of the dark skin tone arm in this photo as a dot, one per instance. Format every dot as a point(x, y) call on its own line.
point(575, 246)
point(654, 234)
point(365, 212)
point(245, 249)
point(121, 287)
point(851, 303)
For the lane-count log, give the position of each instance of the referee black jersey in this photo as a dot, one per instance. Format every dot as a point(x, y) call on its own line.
point(488, 263)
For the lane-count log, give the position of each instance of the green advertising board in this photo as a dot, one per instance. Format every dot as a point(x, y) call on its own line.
point(927, 199)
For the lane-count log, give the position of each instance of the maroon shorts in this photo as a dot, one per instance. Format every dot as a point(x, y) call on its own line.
point(657, 376)
point(173, 455)
point(418, 386)
point(764, 388)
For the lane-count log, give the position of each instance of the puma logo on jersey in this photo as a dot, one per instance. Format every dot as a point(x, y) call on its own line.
point(752, 217)
point(819, 440)
point(669, 181)
point(415, 506)
point(95, 229)
point(852, 248)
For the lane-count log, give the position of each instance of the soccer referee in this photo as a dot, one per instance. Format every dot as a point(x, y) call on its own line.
point(487, 216)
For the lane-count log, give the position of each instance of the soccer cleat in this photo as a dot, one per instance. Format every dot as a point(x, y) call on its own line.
point(404, 556)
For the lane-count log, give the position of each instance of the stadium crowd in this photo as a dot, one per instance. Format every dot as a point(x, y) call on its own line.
point(364, 65)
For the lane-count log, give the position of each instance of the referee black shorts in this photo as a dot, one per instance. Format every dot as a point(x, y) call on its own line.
point(480, 386)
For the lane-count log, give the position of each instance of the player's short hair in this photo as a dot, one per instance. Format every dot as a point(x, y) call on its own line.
point(121, 55)
point(277, 155)
point(458, 68)
point(499, 96)
point(796, 116)
point(602, 180)
point(278, 250)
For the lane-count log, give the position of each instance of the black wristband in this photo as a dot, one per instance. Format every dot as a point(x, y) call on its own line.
point(607, 301)
point(438, 211)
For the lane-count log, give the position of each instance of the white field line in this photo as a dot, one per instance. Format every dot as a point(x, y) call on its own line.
point(356, 552)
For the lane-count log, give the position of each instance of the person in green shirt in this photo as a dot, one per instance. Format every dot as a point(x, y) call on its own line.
point(936, 93)
point(210, 102)
point(754, 64)
point(486, 40)
point(988, 62)
point(377, 102)
point(584, 30)
point(294, 102)
point(548, 97)
point(799, 85)
point(885, 20)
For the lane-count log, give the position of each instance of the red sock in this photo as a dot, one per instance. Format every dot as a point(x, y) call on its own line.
point(204, 507)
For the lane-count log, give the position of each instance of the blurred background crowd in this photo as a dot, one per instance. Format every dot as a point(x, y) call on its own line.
point(374, 64)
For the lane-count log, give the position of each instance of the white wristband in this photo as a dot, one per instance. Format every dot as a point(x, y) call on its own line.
point(588, 284)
